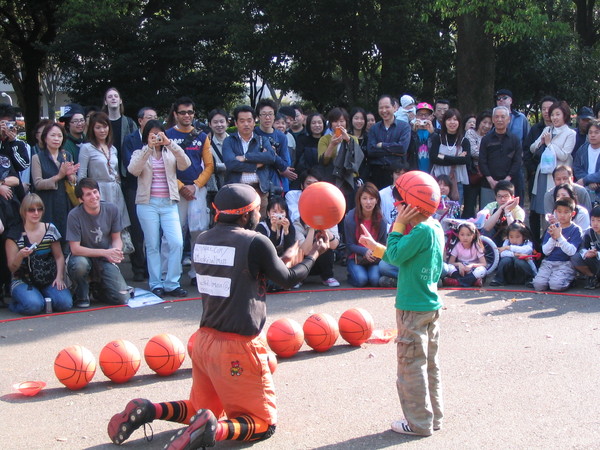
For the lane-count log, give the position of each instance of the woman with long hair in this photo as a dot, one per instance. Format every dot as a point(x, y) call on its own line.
point(450, 151)
point(307, 153)
point(472, 192)
point(155, 165)
point(98, 160)
point(51, 169)
point(37, 263)
point(358, 129)
point(363, 266)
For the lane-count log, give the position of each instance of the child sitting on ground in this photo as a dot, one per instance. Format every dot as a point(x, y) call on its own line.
point(561, 241)
point(587, 260)
point(515, 267)
point(468, 259)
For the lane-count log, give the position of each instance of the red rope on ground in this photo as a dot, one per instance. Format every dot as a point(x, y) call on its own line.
point(308, 291)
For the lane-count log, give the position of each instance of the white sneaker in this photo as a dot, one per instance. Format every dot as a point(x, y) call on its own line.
point(331, 282)
point(403, 427)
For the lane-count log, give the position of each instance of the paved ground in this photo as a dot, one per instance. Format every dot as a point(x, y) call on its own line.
point(520, 370)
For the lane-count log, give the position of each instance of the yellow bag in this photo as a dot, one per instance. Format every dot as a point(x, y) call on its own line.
point(70, 188)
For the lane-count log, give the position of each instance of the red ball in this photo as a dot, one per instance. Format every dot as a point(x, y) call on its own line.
point(356, 326)
point(120, 360)
point(164, 354)
point(322, 205)
point(285, 337)
point(75, 367)
point(320, 332)
point(419, 190)
point(190, 344)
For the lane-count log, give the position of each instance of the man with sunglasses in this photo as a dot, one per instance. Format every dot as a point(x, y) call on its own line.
point(194, 214)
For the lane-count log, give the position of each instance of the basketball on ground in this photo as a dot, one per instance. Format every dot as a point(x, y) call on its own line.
point(320, 332)
point(356, 326)
point(120, 360)
point(164, 354)
point(285, 337)
point(75, 367)
point(322, 205)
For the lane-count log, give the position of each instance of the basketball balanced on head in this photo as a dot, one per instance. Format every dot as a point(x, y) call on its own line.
point(419, 190)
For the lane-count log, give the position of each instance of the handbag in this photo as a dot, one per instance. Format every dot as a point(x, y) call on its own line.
point(360, 260)
point(128, 247)
point(70, 189)
point(40, 269)
point(475, 175)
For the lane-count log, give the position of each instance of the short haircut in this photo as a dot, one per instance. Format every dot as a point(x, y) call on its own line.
point(309, 120)
point(336, 114)
point(279, 116)
point(47, 129)
point(243, 108)
point(297, 107)
point(31, 200)
point(482, 116)
point(183, 101)
point(265, 103)
point(149, 125)
point(563, 168)
point(594, 123)
point(88, 183)
point(548, 98)
point(441, 101)
point(142, 112)
point(217, 112)
point(565, 201)
point(564, 108)
point(504, 185)
point(8, 111)
point(381, 97)
point(497, 108)
point(595, 212)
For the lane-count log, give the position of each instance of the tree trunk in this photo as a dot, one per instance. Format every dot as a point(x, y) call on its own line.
point(475, 65)
point(31, 102)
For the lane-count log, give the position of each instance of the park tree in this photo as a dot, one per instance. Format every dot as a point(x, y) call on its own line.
point(27, 28)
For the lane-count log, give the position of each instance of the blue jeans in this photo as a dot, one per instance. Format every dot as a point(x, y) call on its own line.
point(388, 270)
point(162, 213)
point(359, 275)
point(112, 286)
point(29, 300)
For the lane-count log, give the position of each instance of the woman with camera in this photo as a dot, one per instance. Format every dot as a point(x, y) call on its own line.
point(155, 165)
point(37, 263)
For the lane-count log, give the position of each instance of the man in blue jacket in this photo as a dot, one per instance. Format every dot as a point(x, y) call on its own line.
point(249, 158)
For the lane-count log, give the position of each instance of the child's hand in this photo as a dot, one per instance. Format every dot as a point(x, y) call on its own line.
point(366, 239)
point(593, 253)
point(503, 248)
point(405, 213)
point(461, 269)
point(555, 231)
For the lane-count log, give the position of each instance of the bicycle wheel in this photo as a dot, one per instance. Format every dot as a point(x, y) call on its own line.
point(491, 254)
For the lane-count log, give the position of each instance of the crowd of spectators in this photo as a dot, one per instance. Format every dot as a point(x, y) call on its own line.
point(97, 186)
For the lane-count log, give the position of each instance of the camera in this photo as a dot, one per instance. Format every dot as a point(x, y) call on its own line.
point(279, 216)
point(159, 138)
point(11, 125)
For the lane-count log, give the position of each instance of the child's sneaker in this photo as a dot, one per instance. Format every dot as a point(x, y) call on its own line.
point(478, 283)
point(199, 434)
point(331, 282)
point(450, 282)
point(136, 413)
point(403, 427)
point(388, 282)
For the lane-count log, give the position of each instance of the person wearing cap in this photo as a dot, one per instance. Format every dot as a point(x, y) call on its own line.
point(74, 120)
point(231, 378)
point(388, 141)
point(585, 115)
point(407, 110)
point(422, 128)
point(519, 125)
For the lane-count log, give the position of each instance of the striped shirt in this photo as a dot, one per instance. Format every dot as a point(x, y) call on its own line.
point(160, 187)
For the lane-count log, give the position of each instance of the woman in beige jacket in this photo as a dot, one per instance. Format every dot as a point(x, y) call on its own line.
point(155, 165)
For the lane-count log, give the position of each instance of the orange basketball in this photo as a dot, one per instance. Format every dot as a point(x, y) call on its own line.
point(322, 205)
point(320, 332)
point(164, 354)
point(356, 326)
point(190, 344)
point(75, 367)
point(285, 337)
point(419, 190)
point(120, 360)
point(272, 359)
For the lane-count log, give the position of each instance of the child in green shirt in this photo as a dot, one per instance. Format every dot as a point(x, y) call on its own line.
point(419, 257)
